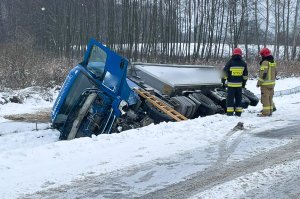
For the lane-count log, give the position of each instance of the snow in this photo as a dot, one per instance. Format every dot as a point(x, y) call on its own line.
point(32, 159)
point(249, 182)
point(281, 84)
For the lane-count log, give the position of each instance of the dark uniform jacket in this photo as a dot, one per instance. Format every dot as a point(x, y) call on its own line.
point(235, 72)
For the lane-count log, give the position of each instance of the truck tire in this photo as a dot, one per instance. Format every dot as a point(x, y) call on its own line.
point(185, 106)
point(221, 110)
point(155, 114)
point(253, 99)
point(245, 101)
point(180, 105)
point(219, 96)
point(207, 106)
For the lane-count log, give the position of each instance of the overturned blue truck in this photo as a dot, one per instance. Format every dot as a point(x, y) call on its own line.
point(105, 93)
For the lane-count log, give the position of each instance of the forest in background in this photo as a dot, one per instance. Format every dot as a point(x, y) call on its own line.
point(40, 40)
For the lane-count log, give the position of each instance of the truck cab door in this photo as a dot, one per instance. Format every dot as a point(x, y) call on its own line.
point(108, 70)
point(107, 67)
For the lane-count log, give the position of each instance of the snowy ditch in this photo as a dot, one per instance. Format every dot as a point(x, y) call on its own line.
point(33, 160)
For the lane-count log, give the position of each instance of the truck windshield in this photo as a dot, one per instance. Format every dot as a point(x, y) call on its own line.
point(80, 84)
point(97, 60)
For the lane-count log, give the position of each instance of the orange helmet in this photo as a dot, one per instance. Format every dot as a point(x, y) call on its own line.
point(237, 51)
point(265, 52)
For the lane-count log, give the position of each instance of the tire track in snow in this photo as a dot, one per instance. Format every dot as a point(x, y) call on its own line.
point(221, 173)
point(225, 148)
point(114, 185)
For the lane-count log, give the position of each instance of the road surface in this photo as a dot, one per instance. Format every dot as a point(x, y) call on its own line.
point(191, 173)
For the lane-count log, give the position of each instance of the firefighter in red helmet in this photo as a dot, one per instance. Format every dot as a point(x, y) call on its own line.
point(266, 81)
point(236, 74)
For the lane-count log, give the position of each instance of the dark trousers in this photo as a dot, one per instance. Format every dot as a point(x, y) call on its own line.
point(234, 101)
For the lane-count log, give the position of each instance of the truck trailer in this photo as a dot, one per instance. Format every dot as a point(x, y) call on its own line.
point(105, 93)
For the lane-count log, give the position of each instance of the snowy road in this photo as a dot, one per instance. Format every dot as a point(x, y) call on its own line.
point(209, 182)
point(203, 171)
point(199, 158)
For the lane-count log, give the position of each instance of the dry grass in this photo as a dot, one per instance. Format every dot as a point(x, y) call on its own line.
point(42, 116)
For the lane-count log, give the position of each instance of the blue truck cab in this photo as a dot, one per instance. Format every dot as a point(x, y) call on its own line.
point(94, 94)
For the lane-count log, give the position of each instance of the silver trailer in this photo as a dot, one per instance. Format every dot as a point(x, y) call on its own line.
point(193, 90)
point(172, 80)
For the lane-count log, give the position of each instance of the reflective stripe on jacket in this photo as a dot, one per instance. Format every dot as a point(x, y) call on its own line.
point(235, 72)
point(267, 74)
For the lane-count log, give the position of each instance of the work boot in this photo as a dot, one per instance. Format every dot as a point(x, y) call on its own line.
point(274, 109)
point(229, 114)
point(264, 115)
point(238, 114)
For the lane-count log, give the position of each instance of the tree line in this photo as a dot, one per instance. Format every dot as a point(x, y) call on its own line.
point(37, 32)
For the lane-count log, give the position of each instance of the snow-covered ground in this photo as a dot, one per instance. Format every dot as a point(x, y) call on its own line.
point(32, 159)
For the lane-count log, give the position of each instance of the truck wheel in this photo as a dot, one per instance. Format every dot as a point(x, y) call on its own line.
point(221, 110)
point(219, 97)
point(185, 105)
point(207, 106)
point(253, 99)
point(155, 114)
point(245, 101)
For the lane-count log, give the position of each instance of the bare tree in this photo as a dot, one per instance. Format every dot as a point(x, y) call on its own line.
point(295, 31)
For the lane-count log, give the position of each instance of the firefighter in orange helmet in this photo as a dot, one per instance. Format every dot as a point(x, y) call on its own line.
point(266, 81)
point(236, 74)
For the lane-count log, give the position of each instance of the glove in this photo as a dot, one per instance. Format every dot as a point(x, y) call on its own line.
point(244, 84)
point(223, 83)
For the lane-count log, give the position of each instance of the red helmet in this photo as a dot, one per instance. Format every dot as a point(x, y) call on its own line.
point(265, 52)
point(237, 51)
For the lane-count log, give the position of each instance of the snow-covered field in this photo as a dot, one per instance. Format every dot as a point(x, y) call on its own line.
point(32, 159)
